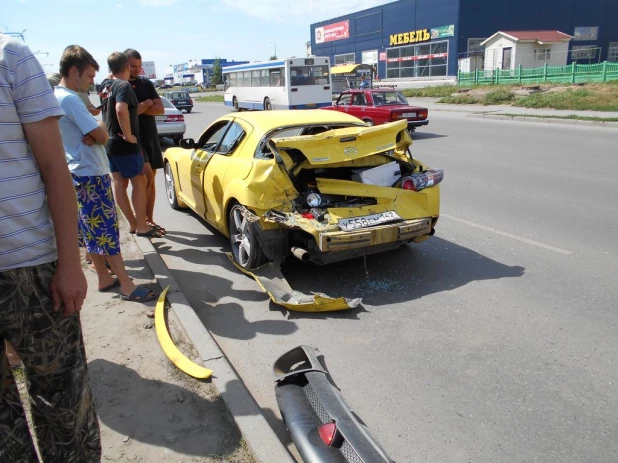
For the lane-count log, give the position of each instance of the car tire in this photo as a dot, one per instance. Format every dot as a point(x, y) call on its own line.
point(267, 105)
point(368, 122)
point(243, 240)
point(189, 110)
point(176, 140)
point(170, 188)
point(235, 104)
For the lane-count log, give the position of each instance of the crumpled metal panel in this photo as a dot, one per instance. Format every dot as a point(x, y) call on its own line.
point(272, 281)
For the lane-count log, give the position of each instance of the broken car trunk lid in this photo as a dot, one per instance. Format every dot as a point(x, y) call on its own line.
point(341, 146)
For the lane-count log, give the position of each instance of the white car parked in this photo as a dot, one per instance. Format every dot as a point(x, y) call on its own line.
point(172, 123)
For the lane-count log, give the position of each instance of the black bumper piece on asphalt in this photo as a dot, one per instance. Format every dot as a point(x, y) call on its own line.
point(307, 399)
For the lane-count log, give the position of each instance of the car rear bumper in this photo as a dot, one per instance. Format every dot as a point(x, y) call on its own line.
point(395, 233)
point(307, 400)
point(414, 124)
point(171, 128)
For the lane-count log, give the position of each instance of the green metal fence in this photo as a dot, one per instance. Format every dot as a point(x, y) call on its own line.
point(602, 72)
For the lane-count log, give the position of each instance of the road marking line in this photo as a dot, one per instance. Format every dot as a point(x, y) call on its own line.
point(509, 235)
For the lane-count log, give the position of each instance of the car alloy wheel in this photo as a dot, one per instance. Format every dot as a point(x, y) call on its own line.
point(245, 247)
point(170, 187)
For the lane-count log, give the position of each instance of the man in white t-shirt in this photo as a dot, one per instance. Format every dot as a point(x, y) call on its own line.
point(84, 139)
point(42, 285)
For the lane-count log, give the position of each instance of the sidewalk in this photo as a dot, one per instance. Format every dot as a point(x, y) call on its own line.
point(149, 410)
point(432, 105)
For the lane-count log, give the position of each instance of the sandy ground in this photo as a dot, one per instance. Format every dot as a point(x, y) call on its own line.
point(148, 410)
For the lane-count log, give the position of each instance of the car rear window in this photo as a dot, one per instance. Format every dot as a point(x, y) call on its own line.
point(180, 95)
point(167, 103)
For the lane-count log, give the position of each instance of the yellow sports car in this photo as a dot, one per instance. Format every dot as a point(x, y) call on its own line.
point(321, 185)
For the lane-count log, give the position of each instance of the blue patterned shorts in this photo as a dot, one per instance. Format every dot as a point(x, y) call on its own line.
point(97, 218)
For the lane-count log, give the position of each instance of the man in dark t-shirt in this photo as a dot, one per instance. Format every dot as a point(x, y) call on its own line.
point(123, 148)
point(150, 105)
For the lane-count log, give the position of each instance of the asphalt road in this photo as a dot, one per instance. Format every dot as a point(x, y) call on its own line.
point(494, 341)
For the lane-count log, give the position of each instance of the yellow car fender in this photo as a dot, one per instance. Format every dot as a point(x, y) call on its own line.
point(170, 349)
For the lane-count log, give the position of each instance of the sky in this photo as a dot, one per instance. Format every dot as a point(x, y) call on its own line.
point(170, 31)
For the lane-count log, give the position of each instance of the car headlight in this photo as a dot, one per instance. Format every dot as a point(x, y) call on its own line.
point(314, 200)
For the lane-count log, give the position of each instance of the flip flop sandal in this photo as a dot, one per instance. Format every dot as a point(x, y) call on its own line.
point(158, 228)
point(109, 287)
point(152, 233)
point(140, 294)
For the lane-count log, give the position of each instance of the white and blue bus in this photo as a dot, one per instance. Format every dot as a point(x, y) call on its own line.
point(292, 83)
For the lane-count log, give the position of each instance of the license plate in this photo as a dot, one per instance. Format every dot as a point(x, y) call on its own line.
point(181, 102)
point(354, 223)
point(409, 114)
point(160, 118)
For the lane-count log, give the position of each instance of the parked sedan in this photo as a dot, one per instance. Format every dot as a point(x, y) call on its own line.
point(172, 123)
point(380, 105)
point(320, 185)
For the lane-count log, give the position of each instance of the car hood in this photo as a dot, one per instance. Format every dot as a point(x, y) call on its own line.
point(340, 147)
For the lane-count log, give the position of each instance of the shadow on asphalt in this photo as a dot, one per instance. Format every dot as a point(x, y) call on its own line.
point(408, 273)
point(426, 135)
point(162, 414)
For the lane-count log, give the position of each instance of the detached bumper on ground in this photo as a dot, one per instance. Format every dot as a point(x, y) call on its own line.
point(322, 426)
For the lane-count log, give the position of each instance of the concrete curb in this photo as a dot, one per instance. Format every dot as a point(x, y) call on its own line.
point(546, 120)
point(261, 439)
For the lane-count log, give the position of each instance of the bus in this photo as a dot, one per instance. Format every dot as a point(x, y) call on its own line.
point(291, 83)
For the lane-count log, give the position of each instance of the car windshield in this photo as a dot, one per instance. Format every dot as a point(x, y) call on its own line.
point(386, 98)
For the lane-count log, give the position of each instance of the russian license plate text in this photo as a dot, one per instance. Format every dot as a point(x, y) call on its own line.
point(355, 223)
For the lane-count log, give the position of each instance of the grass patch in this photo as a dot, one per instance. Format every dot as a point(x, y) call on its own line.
point(464, 99)
point(430, 92)
point(569, 117)
point(500, 96)
point(596, 98)
point(210, 98)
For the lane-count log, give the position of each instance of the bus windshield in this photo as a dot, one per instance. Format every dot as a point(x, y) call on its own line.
point(309, 75)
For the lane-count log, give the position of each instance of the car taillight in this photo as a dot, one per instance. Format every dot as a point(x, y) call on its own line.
point(190, 101)
point(421, 114)
point(175, 118)
point(421, 180)
point(327, 432)
point(307, 215)
point(396, 116)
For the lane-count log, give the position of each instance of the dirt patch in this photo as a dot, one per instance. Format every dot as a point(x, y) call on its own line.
point(148, 410)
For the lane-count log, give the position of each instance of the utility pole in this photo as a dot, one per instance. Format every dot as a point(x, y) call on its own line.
point(274, 43)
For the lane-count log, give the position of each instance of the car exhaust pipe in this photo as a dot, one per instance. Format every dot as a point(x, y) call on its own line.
point(300, 253)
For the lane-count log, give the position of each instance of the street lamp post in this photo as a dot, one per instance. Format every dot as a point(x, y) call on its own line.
point(274, 43)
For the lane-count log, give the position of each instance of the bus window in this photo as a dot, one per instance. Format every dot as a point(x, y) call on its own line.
point(264, 82)
point(309, 75)
point(255, 78)
point(277, 78)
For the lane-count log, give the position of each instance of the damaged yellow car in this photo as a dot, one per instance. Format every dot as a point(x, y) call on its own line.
point(320, 185)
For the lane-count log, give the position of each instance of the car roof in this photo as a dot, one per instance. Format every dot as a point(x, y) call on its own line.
point(267, 120)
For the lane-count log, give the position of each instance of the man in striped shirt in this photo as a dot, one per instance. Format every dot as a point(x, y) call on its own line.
point(42, 285)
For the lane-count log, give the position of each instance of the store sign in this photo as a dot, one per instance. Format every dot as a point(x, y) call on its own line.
point(332, 32)
point(410, 37)
point(442, 32)
point(148, 70)
point(382, 56)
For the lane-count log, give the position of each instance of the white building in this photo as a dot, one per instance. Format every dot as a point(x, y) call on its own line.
point(531, 49)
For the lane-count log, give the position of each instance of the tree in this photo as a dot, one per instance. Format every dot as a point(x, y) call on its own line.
point(274, 57)
point(217, 77)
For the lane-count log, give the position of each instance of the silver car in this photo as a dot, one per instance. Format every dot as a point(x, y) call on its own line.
point(172, 123)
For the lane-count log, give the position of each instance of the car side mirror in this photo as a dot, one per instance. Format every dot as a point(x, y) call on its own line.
point(187, 143)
